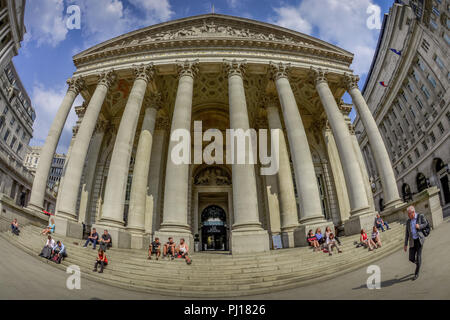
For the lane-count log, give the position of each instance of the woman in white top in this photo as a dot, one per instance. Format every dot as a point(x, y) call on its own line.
point(376, 237)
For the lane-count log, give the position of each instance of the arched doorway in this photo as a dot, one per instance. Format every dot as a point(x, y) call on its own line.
point(442, 176)
point(214, 229)
point(421, 182)
point(406, 192)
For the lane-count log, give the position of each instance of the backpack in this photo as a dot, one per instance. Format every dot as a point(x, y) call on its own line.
point(427, 230)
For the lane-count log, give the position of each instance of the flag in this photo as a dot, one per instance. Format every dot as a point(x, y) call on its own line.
point(399, 52)
point(383, 84)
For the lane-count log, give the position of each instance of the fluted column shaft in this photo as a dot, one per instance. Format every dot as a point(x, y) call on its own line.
point(288, 205)
point(138, 195)
point(175, 213)
point(246, 215)
point(352, 171)
point(383, 163)
point(50, 145)
point(305, 177)
point(72, 176)
point(113, 208)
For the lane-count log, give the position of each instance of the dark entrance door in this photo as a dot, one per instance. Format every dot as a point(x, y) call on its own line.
point(214, 229)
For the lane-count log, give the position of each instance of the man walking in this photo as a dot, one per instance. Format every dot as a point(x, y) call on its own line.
point(414, 235)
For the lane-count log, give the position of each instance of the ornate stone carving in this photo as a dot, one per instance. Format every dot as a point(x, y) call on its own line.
point(350, 81)
point(261, 123)
point(212, 176)
point(154, 100)
point(319, 75)
point(107, 78)
point(144, 72)
point(270, 100)
point(280, 70)
point(81, 110)
point(345, 108)
point(188, 68)
point(76, 85)
point(100, 126)
point(162, 123)
point(234, 67)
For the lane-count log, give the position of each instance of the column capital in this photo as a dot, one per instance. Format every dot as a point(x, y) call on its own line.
point(107, 78)
point(235, 67)
point(319, 75)
point(154, 100)
point(144, 72)
point(280, 70)
point(187, 68)
point(271, 101)
point(76, 84)
point(350, 81)
point(101, 126)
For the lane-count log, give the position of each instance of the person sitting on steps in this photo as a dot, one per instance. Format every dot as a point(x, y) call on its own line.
point(101, 260)
point(376, 237)
point(93, 237)
point(319, 236)
point(169, 247)
point(50, 228)
point(183, 251)
point(105, 241)
point(327, 235)
point(48, 248)
point(312, 240)
point(332, 243)
point(380, 223)
point(59, 251)
point(15, 227)
point(365, 241)
point(154, 248)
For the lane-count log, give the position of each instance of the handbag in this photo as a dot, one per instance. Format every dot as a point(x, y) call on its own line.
point(427, 230)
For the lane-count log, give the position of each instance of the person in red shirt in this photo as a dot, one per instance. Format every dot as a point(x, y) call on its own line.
point(102, 260)
point(365, 241)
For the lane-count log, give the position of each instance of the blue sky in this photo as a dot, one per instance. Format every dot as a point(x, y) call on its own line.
point(45, 62)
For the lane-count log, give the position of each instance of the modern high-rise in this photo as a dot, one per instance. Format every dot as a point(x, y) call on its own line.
point(32, 159)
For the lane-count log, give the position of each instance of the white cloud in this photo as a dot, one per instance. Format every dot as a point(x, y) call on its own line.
point(156, 10)
point(340, 22)
point(45, 22)
point(46, 102)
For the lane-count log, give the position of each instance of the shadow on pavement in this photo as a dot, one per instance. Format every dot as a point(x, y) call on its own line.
point(390, 282)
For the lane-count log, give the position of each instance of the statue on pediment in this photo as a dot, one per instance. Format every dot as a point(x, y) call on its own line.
point(212, 176)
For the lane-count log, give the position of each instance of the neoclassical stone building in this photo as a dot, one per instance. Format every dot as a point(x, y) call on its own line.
point(226, 72)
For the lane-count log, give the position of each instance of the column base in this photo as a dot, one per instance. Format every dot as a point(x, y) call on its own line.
point(394, 204)
point(287, 237)
point(361, 221)
point(120, 238)
point(35, 207)
point(301, 233)
point(249, 241)
point(68, 228)
point(140, 240)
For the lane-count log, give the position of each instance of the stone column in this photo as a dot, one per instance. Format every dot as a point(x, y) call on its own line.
point(138, 195)
point(66, 222)
point(288, 205)
point(91, 164)
point(359, 205)
point(383, 163)
point(311, 216)
point(51, 142)
point(247, 234)
point(175, 212)
point(113, 206)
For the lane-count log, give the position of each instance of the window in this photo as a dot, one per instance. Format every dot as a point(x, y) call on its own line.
point(439, 62)
point(436, 11)
point(396, 171)
point(424, 145)
point(432, 137)
point(441, 127)
point(13, 120)
point(5, 138)
point(447, 38)
point(410, 87)
point(433, 24)
point(425, 92)
point(412, 111)
point(432, 81)
point(425, 45)
point(447, 114)
point(13, 142)
point(403, 165)
point(406, 120)
point(416, 76)
point(5, 111)
point(404, 97)
point(410, 159)
point(417, 153)
point(419, 102)
point(420, 64)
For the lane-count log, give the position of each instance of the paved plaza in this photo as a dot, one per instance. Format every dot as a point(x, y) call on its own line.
point(25, 277)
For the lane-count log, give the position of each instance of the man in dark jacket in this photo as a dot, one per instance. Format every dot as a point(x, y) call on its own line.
point(414, 236)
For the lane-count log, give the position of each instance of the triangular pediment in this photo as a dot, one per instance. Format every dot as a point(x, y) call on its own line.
point(212, 27)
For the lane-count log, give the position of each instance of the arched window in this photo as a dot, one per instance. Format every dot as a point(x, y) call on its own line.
point(381, 204)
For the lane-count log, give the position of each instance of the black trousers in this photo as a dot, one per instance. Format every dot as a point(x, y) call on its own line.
point(102, 265)
point(415, 254)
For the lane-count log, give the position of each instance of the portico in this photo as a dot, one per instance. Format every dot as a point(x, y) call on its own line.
point(228, 73)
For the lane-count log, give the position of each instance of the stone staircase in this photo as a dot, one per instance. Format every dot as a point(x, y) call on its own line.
point(213, 275)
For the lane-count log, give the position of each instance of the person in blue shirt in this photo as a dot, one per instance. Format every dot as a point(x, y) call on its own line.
point(50, 228)
point(59, 251)
point(93, 237)
point(319, 236)
point(15, 227)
